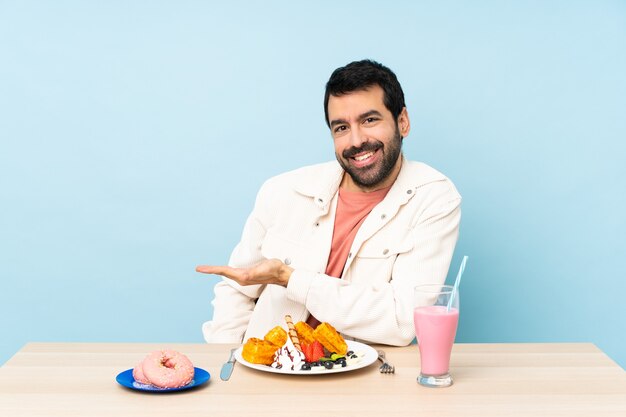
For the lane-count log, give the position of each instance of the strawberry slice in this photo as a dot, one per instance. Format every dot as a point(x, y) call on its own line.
point(306, 349)
point(316, 351)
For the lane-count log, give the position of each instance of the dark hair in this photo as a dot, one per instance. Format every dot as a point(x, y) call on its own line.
point(360, 75)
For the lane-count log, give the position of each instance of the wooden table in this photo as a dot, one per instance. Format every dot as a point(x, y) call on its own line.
point(78, 379)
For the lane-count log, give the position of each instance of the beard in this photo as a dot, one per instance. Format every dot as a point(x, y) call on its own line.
point(370, 176)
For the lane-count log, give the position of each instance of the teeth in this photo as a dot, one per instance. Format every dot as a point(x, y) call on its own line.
point(364, 156)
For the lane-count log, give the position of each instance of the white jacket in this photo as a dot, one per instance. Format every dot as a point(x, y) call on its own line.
point(408, 239)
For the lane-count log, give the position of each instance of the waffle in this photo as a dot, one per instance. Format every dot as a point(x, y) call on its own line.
point(305, 332)
point(259, 351)
point(330, 339)
point(277, 336)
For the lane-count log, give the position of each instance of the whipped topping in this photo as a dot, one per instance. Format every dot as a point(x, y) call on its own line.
point(288, 357)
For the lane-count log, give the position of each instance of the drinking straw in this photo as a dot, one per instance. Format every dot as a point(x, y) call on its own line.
point(457, 282)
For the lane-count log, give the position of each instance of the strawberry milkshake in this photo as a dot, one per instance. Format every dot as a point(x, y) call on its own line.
point(435, 329)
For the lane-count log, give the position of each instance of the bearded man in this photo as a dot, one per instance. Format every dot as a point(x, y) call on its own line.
point(346, 241)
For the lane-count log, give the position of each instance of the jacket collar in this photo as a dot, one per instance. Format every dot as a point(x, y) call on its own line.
point(320, 182)
point(412, 176)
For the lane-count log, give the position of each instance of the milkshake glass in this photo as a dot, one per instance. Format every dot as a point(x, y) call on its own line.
point(435, 329)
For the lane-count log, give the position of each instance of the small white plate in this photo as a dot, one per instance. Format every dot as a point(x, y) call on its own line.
point(368, 356)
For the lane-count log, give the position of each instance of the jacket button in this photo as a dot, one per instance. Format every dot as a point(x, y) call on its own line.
point(317, 224)
point(287, 261)
point(409, 191)
point(350, 255)
point(386, 251)
point(383, 216)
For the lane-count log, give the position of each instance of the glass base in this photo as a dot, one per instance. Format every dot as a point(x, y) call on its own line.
point(435, 381)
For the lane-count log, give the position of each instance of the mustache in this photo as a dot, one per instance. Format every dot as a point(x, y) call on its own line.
point(365, 147)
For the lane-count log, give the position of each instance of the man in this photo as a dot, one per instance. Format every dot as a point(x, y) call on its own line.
point(345, 241)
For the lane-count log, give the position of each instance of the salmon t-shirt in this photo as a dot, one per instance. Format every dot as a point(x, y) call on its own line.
point(353, 208)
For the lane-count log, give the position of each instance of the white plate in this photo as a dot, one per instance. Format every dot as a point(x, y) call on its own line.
point(368, 353)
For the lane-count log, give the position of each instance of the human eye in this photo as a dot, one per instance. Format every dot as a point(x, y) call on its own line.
point(369, 120)
point(340, 129)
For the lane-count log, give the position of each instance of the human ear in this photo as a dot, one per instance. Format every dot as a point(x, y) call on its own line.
point(404, 124)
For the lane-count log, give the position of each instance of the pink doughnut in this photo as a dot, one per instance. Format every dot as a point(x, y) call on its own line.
point(168, 369)
point(138, 374)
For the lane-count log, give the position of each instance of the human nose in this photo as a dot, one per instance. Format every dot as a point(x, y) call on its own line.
point(357, 136)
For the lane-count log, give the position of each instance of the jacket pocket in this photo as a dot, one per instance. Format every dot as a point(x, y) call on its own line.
point(291, 252)
point(374, 262)
point(380, 250)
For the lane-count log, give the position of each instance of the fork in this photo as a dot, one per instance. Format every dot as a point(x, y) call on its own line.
point(386, 367)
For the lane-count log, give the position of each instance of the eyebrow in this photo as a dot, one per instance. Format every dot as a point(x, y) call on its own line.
point(370, 113)
point(361, 117)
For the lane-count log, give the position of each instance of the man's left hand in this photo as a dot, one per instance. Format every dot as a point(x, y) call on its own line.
point(268, 271)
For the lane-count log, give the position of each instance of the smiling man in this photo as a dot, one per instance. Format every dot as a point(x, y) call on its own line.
point(345, 241)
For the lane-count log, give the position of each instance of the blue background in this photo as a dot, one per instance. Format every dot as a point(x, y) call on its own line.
point(134, 136)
